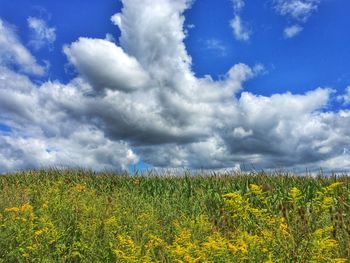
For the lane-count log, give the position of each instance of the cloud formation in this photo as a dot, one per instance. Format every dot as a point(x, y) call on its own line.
point(292, 31)
point(106, 66)
point(297, 10)
point(42, 35)
point(240, 30)
point(14, 54)
point(141, 99)
point(49, 128)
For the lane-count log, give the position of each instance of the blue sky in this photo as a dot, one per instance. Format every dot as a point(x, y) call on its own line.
point(296, 64)
point(286, 47)
point(319, 56)
point(71, 19)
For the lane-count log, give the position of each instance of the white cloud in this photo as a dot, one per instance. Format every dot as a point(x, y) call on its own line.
point(191, 26)
point(110, 38)
point(345, 98)
point(85, 148)
point(240, 31)
point(297, 9)
point(48, 128)
point(292, 31)
point(106, 65)
point(42, 35)
point(140, 99)
point(13, 53)
point(238, 5)
point(241, 133)
point(215, 45)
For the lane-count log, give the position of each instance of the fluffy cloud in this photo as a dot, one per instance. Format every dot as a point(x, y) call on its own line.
point(42, 35)
point(48, 128)
point(13, 53)
point(240, 30)
point(83, 148)
point(292, 31)
point(238, 5)
point(140, 99)
point(106, 66)
point(298, 10)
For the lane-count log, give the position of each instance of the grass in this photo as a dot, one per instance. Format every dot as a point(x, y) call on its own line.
point(81, 216)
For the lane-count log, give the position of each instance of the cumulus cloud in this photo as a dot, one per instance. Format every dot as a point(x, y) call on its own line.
point(297, 10)
point(106, 65)
point(84, 148)
point(240, 29)
point(292, 31)
point(42, 34)
point(147, 103)
point(48, 128)
point(14, 53)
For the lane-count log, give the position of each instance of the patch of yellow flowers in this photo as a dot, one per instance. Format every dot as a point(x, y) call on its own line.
point(248, 230)
point(253, 234)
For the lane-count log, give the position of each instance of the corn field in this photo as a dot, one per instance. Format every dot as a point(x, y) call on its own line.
point(82, 216)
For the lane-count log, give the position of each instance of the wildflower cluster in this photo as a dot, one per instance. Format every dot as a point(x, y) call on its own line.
point(54, 217)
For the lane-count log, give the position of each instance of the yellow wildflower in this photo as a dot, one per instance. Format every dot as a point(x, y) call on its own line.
point(190, 259)
point(256, 189)
point(45, 205)
point(295, 194)
point(243, 248)
point(284, 228)
point(26, 208)
point(232, 248)
point(41, 231)
point(179, 250)
point(154, 241)
point(327, 202)
point(79, 188)
point(232, 195)
point(339, 260)
point(333, 186)
point(12, 210)
point(32, 247)
point(321, 231)
point(216, 243)
point(267, 234)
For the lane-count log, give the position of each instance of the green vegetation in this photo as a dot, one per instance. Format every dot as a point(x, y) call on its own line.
point(79, 216)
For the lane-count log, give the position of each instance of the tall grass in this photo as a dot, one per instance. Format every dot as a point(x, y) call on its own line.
point(81, 216)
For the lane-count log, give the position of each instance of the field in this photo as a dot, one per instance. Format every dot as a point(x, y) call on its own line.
point(80, 216)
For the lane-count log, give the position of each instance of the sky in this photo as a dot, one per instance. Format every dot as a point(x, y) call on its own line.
point(230, 84)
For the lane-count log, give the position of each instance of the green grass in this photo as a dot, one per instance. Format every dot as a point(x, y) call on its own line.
point(81, 216)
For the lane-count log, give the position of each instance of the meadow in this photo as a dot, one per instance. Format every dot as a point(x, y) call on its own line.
point(82, 216)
